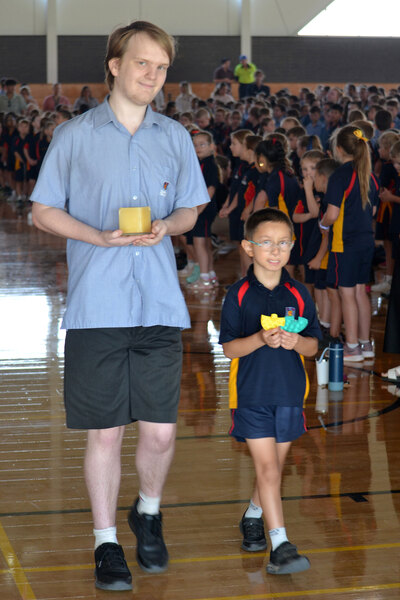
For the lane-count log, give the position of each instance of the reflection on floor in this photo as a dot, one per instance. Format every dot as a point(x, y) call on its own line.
point(341, 483)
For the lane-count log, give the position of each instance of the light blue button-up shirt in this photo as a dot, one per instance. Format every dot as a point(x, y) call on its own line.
point(93, 167)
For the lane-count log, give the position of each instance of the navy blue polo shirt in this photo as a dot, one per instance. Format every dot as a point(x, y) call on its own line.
point(267, 376)
point(352, 229)
point(283, 191)
point(395, 221)
point(248, 186)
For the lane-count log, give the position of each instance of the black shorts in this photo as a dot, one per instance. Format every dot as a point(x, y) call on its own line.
point(350, 268)
point(204, 221)
point(320, 279)
point(20, 174)
point(309, 275)
point(114, 376)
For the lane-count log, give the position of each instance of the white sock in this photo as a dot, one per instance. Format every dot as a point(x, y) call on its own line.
point(363, 341)
point(204, 276)
point(278, 536)
point(254, 511)
point(352, 346)
point(211, 274)
point(325, 324)
point(102, 536)
point(148, 505)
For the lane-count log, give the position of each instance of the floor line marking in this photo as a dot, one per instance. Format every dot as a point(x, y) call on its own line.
point(201, 559)
point(15, 568)
point(292, 594)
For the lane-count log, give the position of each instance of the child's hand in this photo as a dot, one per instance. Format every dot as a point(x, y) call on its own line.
point(314, 264)
point(385, 195)
point(289, 340)
point(223, 213)
point(308, 183)
point(272, 337)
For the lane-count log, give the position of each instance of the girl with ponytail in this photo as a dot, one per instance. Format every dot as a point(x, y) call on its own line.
point(351, 200)
point(281, 189)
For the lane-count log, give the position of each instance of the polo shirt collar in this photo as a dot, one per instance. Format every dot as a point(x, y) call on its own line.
point(104, 114)
point(253, 279)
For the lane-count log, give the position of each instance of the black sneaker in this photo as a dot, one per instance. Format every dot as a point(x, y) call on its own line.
point(253, 534)
point(112, 572)
point(151, 551)
point(285, 559)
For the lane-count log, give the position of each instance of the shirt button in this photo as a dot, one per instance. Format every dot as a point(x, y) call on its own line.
point(134, 197)
point(137, 253)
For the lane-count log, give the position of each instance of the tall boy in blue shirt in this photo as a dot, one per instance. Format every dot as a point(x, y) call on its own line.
point(267, 380)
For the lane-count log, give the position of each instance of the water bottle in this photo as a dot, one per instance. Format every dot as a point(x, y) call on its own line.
point(335, 383)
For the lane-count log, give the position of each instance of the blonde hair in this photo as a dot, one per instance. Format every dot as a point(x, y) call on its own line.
point(353, 143)
point(388, 138)
point(118, 41)
point(395, 150)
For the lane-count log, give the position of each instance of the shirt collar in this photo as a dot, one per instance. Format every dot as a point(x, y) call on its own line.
point(104, 114)
point(253, 279)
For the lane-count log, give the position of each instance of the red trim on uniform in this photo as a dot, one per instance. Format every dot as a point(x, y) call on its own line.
point(282, 180)
point(336, 270)
point(232, 419)
point(351, 185)
point(242, 290)
point(250, 193)
point(304, 421)
point(202, 167)
point(298, 297)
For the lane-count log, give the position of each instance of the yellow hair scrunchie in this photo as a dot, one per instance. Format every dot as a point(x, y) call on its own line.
point(359, 134)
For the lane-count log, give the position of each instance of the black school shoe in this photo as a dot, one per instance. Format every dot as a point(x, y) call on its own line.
point(285, 559)
point(253, 534)
point(112, 572)
point(151, 551)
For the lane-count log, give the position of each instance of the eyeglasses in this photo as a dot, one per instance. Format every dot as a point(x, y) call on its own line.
point(283, 246)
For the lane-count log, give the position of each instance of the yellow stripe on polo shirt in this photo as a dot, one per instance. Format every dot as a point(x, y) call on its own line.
point(233, 401)
point(337, 240)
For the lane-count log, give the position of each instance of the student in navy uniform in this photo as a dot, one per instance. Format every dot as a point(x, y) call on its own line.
point(268, 381)
point(387, 179)
point(48, 127)
point(230, 208)
point(282, 189)
point(20, 167)
point(9, 134)
point(204, 147)
point(394, 198)
point(305, 216)
point(351, 198)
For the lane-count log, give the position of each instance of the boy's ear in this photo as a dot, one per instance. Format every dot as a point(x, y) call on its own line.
point(248, 248)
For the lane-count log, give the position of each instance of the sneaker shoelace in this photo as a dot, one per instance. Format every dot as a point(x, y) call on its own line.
point(112, 559)
point(254, 529)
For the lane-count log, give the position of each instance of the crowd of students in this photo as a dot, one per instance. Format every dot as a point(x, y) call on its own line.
point(26, 132)
point(330, 160)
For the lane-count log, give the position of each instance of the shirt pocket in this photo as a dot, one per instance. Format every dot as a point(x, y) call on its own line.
point(165, 192)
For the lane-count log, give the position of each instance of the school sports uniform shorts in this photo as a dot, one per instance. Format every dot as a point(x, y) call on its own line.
point(347, 269)
point(204, 221)
point(309, 275)
point(284, 423)
point(320, 279)
point(236, 226)
point(114, 376)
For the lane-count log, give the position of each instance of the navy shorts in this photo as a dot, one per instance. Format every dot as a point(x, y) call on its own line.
point(284, 423)
point(350, 268)
point(382, 229)
point(114, 376)
point(236, 226)
point(309, 275)
point(320, 279)
point(204, 221)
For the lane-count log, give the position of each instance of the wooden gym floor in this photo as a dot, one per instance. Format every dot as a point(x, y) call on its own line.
point(341, 487)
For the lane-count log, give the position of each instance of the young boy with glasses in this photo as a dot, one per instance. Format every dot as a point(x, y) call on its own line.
point(267, 381)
